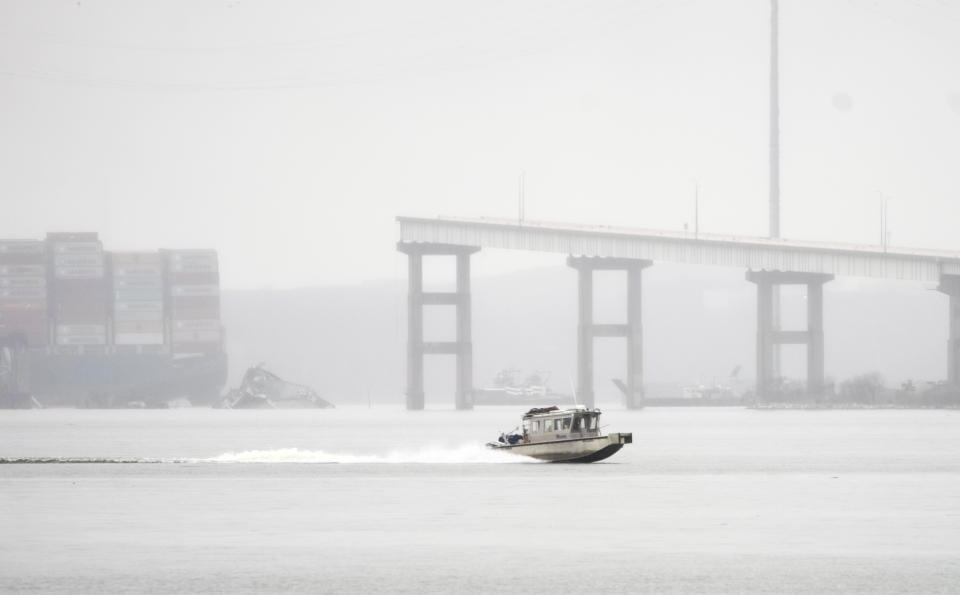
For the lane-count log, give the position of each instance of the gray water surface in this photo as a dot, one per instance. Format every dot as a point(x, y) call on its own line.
point(361, 500)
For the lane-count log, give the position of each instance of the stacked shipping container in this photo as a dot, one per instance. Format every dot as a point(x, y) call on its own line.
point(64, 293)
point(193, 282)
point(23, 292)
point(137, 309)
point(79, 290)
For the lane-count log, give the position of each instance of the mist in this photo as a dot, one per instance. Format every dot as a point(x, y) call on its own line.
point(435, 297)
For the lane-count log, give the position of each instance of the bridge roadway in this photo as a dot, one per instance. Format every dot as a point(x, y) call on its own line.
point(769, 264)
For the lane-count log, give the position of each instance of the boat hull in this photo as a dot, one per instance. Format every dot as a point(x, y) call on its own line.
point(576, 450)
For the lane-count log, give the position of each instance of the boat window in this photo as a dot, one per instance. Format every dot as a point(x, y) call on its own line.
point(556, 424)
point(566, 423)
point(576, 423)
point(590, 422)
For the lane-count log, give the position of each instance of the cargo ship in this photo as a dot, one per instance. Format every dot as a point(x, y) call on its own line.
point(87, 327)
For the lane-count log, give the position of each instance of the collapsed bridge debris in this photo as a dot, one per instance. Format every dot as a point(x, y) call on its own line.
point(262, 389)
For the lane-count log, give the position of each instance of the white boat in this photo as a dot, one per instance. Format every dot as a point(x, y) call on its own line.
point(508, 389)
point(562, 436)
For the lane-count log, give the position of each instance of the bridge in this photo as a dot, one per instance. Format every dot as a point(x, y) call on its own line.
point(768, 263)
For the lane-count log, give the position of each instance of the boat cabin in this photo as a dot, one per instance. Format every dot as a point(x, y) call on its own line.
point(545, 424)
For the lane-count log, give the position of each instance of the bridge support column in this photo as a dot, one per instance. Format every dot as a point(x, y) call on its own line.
point(950, 285)
point(587, 330)
point(417, 348)
point(769, 335)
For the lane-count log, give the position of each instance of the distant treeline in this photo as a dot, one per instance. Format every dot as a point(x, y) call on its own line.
point(867, 390)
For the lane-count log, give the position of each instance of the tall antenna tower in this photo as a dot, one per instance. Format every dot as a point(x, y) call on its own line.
point(774, 122)
point(775, 160)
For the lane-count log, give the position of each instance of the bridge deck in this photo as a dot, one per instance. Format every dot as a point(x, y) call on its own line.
point(706, 249)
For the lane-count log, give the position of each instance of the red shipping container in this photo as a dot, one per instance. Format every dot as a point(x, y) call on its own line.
point(79, 307)
point(23, 306)
point(79, 295)
point(68, 286)
point(33, 326)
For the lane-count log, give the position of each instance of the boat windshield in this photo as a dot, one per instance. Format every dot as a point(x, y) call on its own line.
point(578, 422)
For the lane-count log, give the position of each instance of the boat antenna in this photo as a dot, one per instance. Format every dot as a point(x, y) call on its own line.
point(573, 389)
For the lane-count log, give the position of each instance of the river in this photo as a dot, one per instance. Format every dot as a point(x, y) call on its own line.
point(360, 500)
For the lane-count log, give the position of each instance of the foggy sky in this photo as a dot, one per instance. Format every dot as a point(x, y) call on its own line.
point(288, 135)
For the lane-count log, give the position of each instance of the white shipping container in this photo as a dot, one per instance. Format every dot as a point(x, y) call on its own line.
point(135, 258)
point(78, 272)
point(194, 290)
point(78, 260)
point(197, 325)
point(195, 336)
point(81, 329)
point(196, 255)
point(23, 270)
point(23, 281)
point(20, 293)
point(22, 247)
point(138, 326)
point(137, 270)
point(194, 267)
point(78, 248)
point(154, 306)
point(137, 282)
point(138, 339)
point(143, 295)
point(81, 340)
point(137, 315)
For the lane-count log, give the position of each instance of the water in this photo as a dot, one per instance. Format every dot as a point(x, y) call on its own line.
point(364, 500)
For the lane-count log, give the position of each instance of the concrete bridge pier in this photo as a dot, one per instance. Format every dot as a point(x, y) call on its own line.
point(417, 348)
point(587, 330)
point(950, 285)
point(770, 337)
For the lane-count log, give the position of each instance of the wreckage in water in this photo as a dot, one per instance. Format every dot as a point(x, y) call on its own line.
point(562, 436)
point(262, 389)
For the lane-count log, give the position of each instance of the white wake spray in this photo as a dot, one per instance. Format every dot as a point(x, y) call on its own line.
point(464, 454)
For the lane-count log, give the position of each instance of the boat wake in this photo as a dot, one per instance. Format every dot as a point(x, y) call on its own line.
point(433, 455)
point(77, 461)
point(465, 454)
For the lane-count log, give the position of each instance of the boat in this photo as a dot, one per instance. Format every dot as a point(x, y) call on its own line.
point(508, 389)
point(562, 436)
